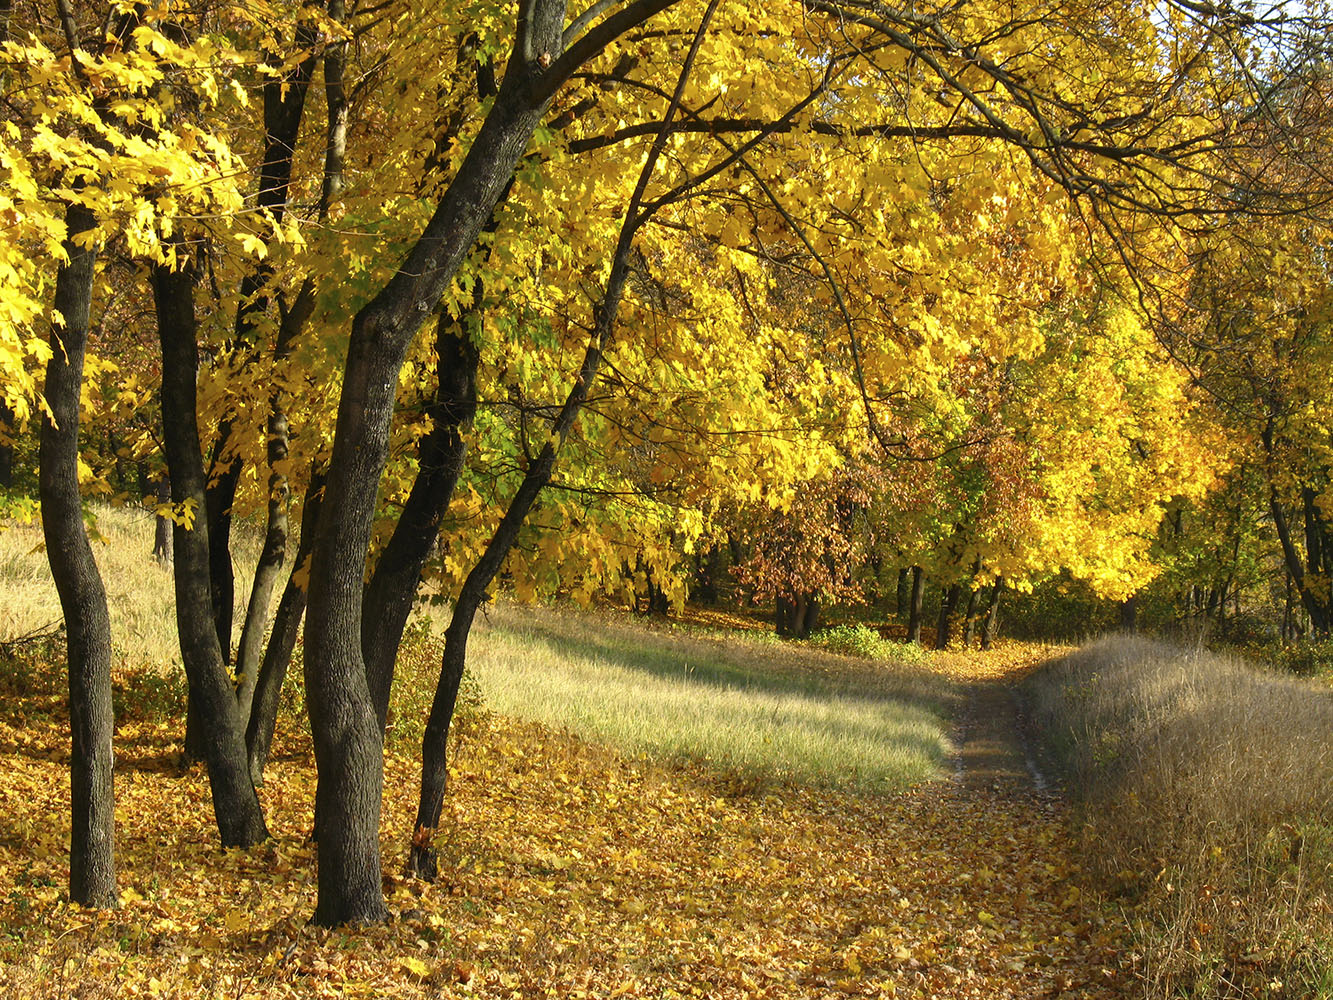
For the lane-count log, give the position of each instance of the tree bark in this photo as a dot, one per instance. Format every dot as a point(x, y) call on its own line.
point(92, 873)
point(900, 594)
point(988, 631)
point(282, 641)
point(235, 804)
point(1129, 613)
point(434, 771)
point(944, 627)
point(8, 428)
point(914, 608)
point(393, 586)
point(284, 100)
point(343, 718)
point(970, 617)
point(1319, 622)
point(162, 523)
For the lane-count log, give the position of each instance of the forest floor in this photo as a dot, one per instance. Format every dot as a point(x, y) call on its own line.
point(569, 869)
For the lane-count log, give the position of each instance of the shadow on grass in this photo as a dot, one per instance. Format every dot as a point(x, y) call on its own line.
point(768, 669)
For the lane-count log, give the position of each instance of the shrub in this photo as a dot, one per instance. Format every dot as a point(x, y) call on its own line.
point(863, 641)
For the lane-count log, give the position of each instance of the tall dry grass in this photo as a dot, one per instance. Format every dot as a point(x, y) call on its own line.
point(1207, 794)
point(139, 589)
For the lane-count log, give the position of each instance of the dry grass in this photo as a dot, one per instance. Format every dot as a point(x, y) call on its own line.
point(139, 589)
point(753, 706)
point(758, 709)
point(1207, 789)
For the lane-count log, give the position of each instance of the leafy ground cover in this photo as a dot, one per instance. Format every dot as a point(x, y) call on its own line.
point(569, 868)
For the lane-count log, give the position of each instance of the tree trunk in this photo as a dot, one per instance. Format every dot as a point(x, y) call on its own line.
point(989, 630)
point(1129, 613)
point(92, 872)
point(810, 621)
point(900, 594)
point(284, 100)
point(970, 618)
point(162, 523)
point(8, 429)
point(944, 627)
point(282, 640)
point(235, 804)
point(434, 748)
point(914, 608)
point(1318, 613)
point(393, 586)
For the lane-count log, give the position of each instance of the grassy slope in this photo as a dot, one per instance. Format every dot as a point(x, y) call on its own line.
point(1207, 788)
point(760, 708)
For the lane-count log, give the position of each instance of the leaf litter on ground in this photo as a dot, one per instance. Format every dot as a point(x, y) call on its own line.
point(567, 869)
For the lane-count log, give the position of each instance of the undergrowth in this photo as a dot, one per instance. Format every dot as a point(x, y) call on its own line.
point(863, 641)
point(1206, 789)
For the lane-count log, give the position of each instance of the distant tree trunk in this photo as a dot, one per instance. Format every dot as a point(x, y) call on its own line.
point(707, 575)
point(970, 618)
point(92, 873)
point(1129, 613)
point(782, 616)
point(810, 620)
point(900, 594)
point(282, 641)
point(162, 523)
point(235, 804)
point(914, 611)
point(1288, 618)
point(944, 628)
point(970, 614)
point(989, 630)
point(1311, 601)
point(8, 429)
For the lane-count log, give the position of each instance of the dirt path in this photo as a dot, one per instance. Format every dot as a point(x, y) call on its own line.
point(1007, 858)
point(995, 749)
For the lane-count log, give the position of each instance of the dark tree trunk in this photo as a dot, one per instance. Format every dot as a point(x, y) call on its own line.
point(914, 609)
point(782, 616)
point(970, 617)
point(944, 627)
point(235, 804)
point(1288, 618)
point(281, 643)
point(162, 523)
point(92, 871)
point(810, 619)
point(1314, 607)
point(900, 594)
point(8, 429)
point(348, 746)
point(441, 453)
point(989, 630)
point(434, 748)
point(1129, 613)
